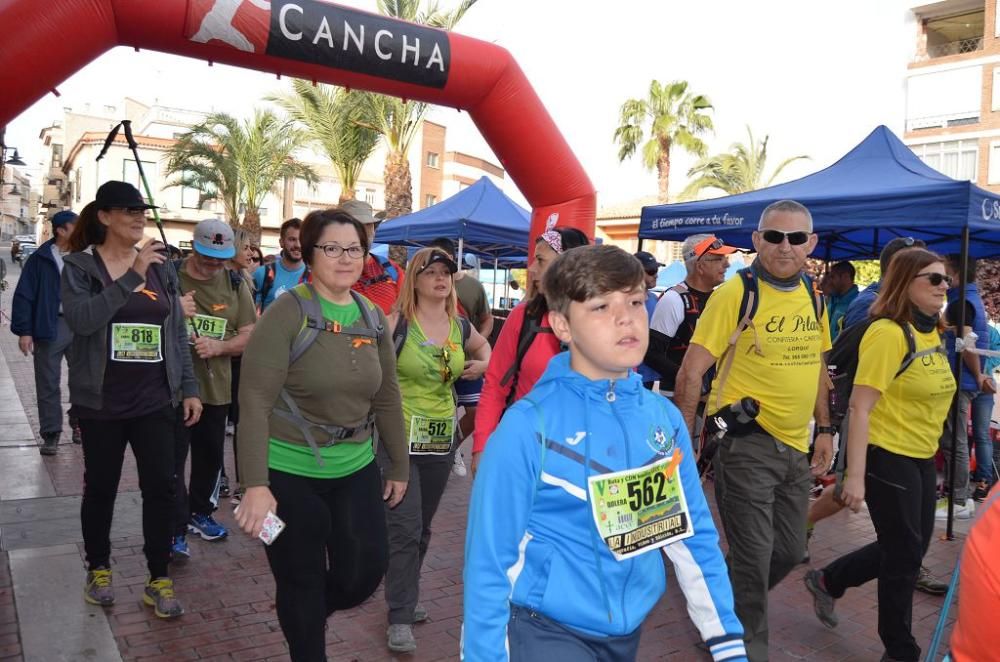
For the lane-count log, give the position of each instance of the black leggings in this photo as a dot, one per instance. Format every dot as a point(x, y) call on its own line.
point(331, 555)
point(152, 439)
point(234, 414)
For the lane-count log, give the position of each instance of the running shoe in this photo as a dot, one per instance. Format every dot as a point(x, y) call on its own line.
point(206, 527)
point(459, 467)
point(962, 511)
point(237, 497)
point(50, 443)
point(98, 590)
point(419, 613)
point(77, 434)
point(981, 491)
point(401, 639)
point(809, 534)
point(823, 602)
point(929, 584)
point(224, 486)
point(159, 594)
point(180, 551)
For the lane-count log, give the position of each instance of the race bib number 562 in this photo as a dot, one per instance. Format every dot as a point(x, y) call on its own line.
point(638, 510)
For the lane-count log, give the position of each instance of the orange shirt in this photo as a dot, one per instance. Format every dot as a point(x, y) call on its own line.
point(976, 637)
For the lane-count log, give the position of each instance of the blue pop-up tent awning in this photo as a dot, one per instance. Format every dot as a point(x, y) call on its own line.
point(878, 191)
point(488, 222)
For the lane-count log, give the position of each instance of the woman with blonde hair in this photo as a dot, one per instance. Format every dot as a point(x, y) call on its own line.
point(902, 393)
point(434, 347)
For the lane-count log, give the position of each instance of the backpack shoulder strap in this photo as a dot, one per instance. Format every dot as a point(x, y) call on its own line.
point(312, 313)
point(466, 327)
point(269, 276)
point(748, 308)
point(368, 316)
point(751, 294)
point(399, 334)
point(530, 327)
point(911, 350)
point(819, 305)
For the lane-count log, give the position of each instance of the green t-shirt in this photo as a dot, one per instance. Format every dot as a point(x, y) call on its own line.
point(427, 373)
point(222, 310)
point(339, 460)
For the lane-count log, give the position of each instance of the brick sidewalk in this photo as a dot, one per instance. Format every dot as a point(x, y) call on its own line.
point(229, 593)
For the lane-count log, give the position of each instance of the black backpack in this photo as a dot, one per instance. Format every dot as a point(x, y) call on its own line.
point(403, 328)
point(842, 364)
point(530, 327)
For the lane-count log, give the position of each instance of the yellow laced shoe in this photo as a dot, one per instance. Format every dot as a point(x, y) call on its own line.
point(98, 590)
point(159, 594)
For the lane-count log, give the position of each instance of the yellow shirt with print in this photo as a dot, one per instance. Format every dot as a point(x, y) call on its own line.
point(785, 379)
point(908, 418)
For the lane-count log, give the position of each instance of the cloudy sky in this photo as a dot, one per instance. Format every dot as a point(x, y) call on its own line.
point(815, 76)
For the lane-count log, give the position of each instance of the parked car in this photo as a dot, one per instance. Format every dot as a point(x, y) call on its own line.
point(15, 245)
point(24, 251)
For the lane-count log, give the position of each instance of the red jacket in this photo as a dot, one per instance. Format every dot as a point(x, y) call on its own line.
point(377, 283)
point(493, 399)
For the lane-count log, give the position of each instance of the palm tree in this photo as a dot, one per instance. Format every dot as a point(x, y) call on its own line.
point(675, 117)
point(331, 117)
point(739, 170)
point(238, 162)
point(398, 120)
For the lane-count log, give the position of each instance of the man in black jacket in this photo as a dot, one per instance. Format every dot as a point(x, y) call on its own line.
point(36, 318)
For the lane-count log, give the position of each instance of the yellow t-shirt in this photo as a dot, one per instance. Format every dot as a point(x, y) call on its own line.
point(908, 418)
point(785, 380)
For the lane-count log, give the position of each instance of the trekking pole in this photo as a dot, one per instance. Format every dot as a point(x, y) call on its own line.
point(943, 617)
point(134, 146)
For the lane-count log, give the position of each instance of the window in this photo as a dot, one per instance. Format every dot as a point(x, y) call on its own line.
point(994, 167)
point(190, 196)
point(956, 158)
point(57, 156)
point(430, 200)
point(130, 173)
point(370, 196)
point(996, 86)
point(432, 159)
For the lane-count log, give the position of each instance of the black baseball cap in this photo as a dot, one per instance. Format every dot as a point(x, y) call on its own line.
point(120, 194)
point(438, 257)
point(648, 261)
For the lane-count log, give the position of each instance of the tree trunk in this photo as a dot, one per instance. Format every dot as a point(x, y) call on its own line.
point(663, 171)
point(251, 223)
point(346, 194)
point(398, 195)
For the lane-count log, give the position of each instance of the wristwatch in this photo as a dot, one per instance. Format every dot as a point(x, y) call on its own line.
point(825, 429)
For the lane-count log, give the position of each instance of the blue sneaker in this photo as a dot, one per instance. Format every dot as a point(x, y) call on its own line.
point(206, 527)
point(180, 551)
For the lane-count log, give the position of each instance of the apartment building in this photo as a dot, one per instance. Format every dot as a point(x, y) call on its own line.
point(953, 89)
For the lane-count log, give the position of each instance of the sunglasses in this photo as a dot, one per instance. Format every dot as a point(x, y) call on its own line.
point(131, 211)
point(796, 238)
point(934, 278)
point(652, 272)
point(446, 373)
point(704, 248)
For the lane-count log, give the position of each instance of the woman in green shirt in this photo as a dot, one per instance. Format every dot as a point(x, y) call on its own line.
point(305, 439)
point(437, 350)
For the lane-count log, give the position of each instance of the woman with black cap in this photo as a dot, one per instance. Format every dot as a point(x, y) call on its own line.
point(435, 347)
point(129, 369)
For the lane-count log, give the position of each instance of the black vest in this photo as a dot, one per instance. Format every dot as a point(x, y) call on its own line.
point(694, 304)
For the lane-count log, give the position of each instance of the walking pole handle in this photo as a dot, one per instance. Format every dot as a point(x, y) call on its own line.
point(107, 141)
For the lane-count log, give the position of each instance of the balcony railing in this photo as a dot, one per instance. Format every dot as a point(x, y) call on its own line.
point(970, 45)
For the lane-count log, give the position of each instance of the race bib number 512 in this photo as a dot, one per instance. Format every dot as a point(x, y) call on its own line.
point(638, 510)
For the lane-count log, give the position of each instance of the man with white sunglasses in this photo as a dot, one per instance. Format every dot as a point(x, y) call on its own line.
point(767, 330)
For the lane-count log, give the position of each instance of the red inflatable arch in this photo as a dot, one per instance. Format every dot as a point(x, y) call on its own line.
point(45, 43)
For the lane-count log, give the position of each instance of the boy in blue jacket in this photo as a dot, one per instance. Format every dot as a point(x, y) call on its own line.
point(585, 481)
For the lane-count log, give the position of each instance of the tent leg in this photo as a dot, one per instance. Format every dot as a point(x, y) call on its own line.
point(461, 249)
point(639, 248)
point(496, 268)
point(959, 369)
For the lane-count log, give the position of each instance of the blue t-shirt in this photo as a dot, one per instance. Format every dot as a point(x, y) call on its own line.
point(283, 280)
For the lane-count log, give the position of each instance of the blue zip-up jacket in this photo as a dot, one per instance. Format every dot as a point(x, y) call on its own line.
point(858, 310)
point(35, 311)
point(531, 537)
point(978, 323)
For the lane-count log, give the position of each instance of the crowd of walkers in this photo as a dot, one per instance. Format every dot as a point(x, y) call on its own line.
point(349, 385)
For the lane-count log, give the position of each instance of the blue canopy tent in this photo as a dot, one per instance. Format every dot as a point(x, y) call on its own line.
point(878, 191)
point(481, 218)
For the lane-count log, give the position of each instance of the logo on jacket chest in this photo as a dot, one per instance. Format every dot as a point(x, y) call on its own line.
point(660, 441)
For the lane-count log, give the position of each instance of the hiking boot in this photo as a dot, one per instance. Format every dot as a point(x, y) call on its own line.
point(929, 584)
point(962, 511)
point(159, 594)
point(419, 613)
point(459, 467)
point(401, 639)
point(50, 443)
point(206, 527)
point(981, 491)
point(823, 602)
point(180, 551)
point(98, 590)
point(77, 434)
point(224, 486)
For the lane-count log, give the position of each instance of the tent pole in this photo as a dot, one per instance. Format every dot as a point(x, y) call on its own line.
point(639, 248)
point(496, 268)
point(461, 247)
point(875, 250)
point(959, 364)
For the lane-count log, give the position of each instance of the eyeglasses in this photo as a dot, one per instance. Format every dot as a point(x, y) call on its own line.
point(446, 373)
point(934, 278)
point(336, 250)
point(131, 211)
point(796, 238)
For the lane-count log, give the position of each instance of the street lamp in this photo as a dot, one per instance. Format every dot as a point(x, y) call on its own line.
point(14, 160)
